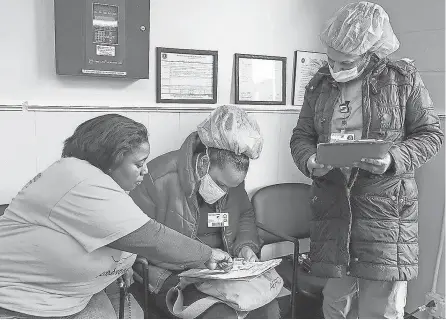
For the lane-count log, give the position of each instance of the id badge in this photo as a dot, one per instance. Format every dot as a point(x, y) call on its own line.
point(218, 219)
point(341, 137)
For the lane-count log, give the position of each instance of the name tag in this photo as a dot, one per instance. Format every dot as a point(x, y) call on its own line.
point(337, 137)
point(218, 219)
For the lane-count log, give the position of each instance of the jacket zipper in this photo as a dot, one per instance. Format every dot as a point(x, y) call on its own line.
point(225, 241)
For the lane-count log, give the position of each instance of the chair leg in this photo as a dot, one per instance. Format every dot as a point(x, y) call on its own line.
point(145, 278)
point(121, 299)
point(294, 283)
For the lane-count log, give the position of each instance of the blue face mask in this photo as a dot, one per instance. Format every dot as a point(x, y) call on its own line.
point(209, 189)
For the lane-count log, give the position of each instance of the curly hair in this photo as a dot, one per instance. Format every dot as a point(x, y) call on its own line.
point(104, 141)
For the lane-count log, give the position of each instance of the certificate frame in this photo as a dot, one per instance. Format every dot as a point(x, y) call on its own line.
point(239, 74)
point(299, 84)
point(209, 97)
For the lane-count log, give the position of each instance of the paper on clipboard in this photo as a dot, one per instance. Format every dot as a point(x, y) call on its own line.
point(344, 154)
point(240, 270)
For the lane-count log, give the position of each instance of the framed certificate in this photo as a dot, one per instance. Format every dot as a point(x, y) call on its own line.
point(260, 79)
point(186, 76)
point(306, 64)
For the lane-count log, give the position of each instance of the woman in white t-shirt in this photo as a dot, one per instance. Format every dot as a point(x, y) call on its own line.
point(73, 230)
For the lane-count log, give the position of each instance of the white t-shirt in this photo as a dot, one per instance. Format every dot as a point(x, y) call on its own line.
point(53, 238)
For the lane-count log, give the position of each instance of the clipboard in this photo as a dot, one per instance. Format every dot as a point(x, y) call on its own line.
point(344, 154)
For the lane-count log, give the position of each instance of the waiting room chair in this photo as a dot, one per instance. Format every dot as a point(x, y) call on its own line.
point(283, 213)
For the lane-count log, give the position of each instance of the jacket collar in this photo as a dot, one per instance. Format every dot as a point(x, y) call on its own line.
point(186, 169)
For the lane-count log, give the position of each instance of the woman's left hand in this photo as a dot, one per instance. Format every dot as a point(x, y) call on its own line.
point(128, 277)
point(247, 254)
point(375, 166)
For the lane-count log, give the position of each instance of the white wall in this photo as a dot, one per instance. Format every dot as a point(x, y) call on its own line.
point(32, 140)
point(270, 27)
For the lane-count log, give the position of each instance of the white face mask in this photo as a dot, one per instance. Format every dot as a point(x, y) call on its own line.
point(345, 75)
point(209, 190)
point(349, 74)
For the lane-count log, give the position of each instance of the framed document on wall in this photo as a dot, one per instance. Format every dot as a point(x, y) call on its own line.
point(260, 79)
point(186, 75)
point(306, 64)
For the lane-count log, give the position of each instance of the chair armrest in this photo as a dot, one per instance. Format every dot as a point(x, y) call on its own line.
point(145, 266)
point(143, 261)
point(277, 233)
point(295, 241)
point(144, 280)
point(137, 278)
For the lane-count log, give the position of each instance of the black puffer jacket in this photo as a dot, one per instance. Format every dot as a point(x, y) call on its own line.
point(367, 227)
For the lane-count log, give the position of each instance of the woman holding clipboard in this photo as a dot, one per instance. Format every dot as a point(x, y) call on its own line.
point(365, 232)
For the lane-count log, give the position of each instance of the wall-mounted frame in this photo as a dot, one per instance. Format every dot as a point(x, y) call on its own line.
point(306, 64)
point(186, 75)
point(260, 79)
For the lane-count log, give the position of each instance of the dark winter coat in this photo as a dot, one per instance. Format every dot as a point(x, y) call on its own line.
point(367, 227)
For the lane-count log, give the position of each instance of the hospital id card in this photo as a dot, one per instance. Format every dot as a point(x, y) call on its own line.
point(339, 136)
point(218, 219)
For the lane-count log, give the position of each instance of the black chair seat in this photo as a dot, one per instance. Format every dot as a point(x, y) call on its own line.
point(308, 284)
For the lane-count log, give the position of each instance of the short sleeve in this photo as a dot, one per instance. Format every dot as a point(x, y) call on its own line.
point(97, 212)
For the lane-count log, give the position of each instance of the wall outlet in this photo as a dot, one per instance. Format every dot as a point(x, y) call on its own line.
point(436, 312)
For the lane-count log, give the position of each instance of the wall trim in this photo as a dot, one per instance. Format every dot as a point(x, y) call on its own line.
point(171, 109)
point(166, 108)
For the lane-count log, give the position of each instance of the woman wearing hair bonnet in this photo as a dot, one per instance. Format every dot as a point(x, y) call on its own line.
point(364, 236)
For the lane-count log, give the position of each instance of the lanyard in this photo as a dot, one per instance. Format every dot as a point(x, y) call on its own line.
point(344, 109)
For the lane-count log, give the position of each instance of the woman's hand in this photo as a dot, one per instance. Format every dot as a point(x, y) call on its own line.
point(317, 169)
point(219, 260)
point(375, 166)
point(128, 277)
point(247, 254)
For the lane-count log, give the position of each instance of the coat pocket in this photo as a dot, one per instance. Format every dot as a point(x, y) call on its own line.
point(408, 189)
point(408, 201)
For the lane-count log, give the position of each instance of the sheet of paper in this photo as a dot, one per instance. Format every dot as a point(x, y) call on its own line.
point(306, 66)
point(186, 76)
point(239, 271)
point(260, 80)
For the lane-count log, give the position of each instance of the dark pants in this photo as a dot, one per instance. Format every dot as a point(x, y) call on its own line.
point(217, 311)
